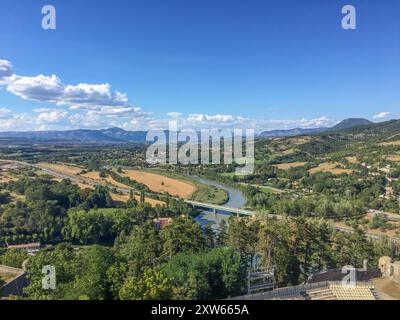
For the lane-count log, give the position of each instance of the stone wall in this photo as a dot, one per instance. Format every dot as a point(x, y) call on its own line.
point(389, 269)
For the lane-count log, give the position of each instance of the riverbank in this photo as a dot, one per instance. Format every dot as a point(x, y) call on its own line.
point(210, 194)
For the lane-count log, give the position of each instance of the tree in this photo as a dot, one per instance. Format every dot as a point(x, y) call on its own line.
point(183, 234)
point(277, 252)
point(209, 236)
point(242, 236)
point(214, 274)
point(87, 227)
point(13, 258)
point(132, 202)
point(5, 197)
point(91, 282)
point(153, 285)
point(141, 249)
point(222, 234)
point(79, 274)
point(142, 197)
point(116, 276)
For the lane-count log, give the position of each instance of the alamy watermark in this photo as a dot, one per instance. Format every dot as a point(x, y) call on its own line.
point(49, 21)
point(189, 146)
point(349, 21)
point(49, 279)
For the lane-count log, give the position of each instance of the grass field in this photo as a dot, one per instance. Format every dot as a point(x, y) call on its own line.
point(62, 168)
point(4, 177)
point(395, 158)
point(330, 167)
point(210, 194)
point(124, 198)
point(5, 276)
point(352, 160)
point(159, 183)
point(73, 171)
point(266, 189)
point(390, 143)
point(286, 166)
point(108, 180)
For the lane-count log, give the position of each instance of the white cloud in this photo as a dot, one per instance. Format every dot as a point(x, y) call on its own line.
point(221, 121)
point(40, 88)
point(109, 111)
point(6, 69)
point(300, 123)
point(174, 114)
point(51, 115)
point(4, 112)
point(218, 118)
point(382, 115)
point(98, 106)
point(95, 97)
point(89, 96)
point(99, 99)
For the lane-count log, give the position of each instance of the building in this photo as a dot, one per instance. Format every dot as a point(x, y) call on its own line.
point(28, 247)
point(161, 223)
point(389, 269)
point(326, 290)
point(327, 285)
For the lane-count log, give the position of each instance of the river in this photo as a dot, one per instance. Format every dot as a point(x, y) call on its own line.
point(236, 200)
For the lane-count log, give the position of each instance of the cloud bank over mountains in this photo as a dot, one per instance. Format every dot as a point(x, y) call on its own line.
point(95, 106)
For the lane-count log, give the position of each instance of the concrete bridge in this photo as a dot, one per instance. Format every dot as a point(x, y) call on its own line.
point(215, 208)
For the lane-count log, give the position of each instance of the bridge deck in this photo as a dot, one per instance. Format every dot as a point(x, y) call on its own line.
point(221, 208)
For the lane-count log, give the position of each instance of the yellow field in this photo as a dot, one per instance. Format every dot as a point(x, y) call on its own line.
point(92, 175)
point(108, 179)
point(116, 183)
point(84, 186)
point(352, 160)
point(124, 198)
point(286, 166)
point(68, 170)
point(288, 152)
point(159, 183)
point(330, 167)
point(4, 177)
point(394, 157)
point(391, 143)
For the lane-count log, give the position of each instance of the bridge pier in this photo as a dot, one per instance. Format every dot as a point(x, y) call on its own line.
point(215, 214)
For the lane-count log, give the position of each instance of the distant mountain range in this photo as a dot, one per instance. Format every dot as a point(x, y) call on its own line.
point(118, 135)
point(343, 125)
point(111, 135)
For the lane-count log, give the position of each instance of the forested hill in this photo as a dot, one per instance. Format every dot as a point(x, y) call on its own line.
point(371, 133)
point(343, 125)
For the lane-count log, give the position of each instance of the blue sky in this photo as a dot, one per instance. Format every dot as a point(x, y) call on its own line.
point(135, 64)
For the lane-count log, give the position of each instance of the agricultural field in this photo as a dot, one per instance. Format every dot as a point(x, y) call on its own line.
point(394, 158)
point(62, 168)
point(159, 183)
point(123, 198)
point(390, 143)
point(352, 160)
point(94, 175)
point(286, 166)
point(330, 167)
